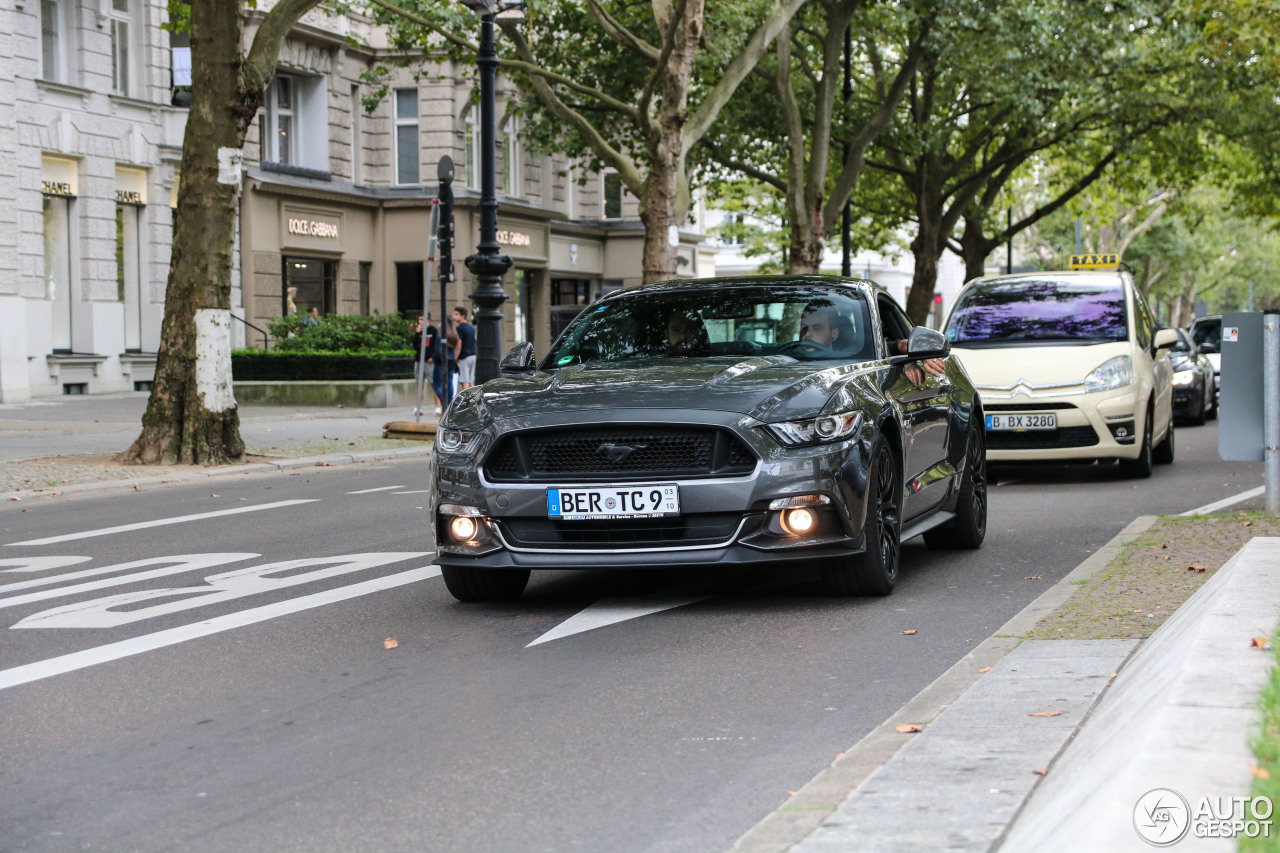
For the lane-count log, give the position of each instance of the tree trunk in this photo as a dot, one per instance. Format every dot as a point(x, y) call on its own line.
point(658, 213)
point(191, 417)
point(927, 247)
point(975, 247)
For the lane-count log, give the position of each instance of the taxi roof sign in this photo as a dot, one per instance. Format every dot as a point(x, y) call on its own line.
point(1105, 260)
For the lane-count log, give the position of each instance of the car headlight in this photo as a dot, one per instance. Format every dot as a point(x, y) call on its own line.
point(457, 440)
point(1184, 376)
point(1113, 373)
point(817, 430)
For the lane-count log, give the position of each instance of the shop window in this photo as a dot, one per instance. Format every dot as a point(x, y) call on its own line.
point(366, 269)
point(612, 195)
point(54, 41)
point(511, 158)
point(57, 267)
point(406, 138)
point(521, 306)
point(313, 283)
point(122, 46)
point(409, 289)
point(294, 126)
point(129, 273)
point(568, 297)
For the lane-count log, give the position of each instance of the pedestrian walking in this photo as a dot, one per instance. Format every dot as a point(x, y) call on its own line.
point(467, 348)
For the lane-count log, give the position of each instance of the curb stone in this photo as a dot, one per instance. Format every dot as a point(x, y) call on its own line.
point(323, 461)
point(805, 812)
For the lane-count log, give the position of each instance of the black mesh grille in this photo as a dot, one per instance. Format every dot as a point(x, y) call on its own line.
point(684, 531)
point(1081, 436)
point(1024, 407)
point(606, 452)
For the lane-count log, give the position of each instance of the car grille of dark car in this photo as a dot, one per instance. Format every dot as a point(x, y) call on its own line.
point(682, 532)
point(1080, 436)
point(608, 452)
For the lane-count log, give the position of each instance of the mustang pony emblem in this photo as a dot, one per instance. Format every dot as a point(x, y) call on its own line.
point(618, 452)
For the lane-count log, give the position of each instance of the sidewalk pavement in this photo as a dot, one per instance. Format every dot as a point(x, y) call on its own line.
point(71, 442)
point(1048, 745)
point(1023, 746)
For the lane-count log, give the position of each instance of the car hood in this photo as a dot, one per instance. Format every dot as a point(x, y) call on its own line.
point(1005, 367)
point(770, 389)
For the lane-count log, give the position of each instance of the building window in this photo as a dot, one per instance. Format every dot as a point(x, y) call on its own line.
point(295, 122)
point(357, 139)
point(121, 46)
point(406, 154)
point(180, 69)
point(471, 152)
point(366, 269)
point(57, 267)
point(53, 41)
point(129, 273)
point(313, 283)
point(612, 195)
point(281, 137)
point(731, 230)
point(511, 158)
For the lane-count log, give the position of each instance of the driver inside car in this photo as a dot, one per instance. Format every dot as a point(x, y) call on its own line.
point(826, 326)
point(686, 334)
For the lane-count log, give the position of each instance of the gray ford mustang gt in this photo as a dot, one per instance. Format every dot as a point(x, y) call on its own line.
point(751, 421)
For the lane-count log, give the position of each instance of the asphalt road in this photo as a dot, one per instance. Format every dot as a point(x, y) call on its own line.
point(263, 712)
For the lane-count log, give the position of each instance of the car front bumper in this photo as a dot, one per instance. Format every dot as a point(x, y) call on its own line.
point(724, 520)
point(1091, 426)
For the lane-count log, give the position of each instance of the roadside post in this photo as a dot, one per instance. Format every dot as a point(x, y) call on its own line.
point(420, 374)
point(1249, 426)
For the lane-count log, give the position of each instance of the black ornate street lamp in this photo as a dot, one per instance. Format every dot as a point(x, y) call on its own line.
point(487, 264)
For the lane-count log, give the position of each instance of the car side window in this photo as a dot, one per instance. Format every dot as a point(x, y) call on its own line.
point(1146, 324)
point(894, 324)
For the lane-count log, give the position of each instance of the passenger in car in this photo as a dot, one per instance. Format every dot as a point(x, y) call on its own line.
point(686, 334)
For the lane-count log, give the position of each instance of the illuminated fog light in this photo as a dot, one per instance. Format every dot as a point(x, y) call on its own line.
point(799, 521)
point(463, 528)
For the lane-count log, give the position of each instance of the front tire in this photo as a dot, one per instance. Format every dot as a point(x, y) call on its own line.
point(875, 570)
point(1140, 468)
point(1163, 452)
point(468, 583)
point(969, 527)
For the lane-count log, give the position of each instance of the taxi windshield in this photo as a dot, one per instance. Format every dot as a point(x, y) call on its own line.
point(805, 323)
point(1034, 311)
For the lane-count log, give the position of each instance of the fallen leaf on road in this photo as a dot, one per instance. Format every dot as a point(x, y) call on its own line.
point(1261, 643)
point(215, 496)
point(1045, 714)
point(1039, 772)
point(1260, 772)
point(1113, 675)
point(1195, 567)
point(139, 489)
point(340, 406)
point(15, 499)
point(1246, 523)
point(985, 669)
point(1164, 546)
point(910, 728)
point(389, 643)
point(1034, 578)
point(792, 793)
point(911, 632)
point(242, 499)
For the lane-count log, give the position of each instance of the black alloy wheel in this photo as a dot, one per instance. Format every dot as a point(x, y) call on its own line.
point(969, 527)
point(875, 570)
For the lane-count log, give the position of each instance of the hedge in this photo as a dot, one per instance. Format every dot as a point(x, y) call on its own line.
point(274, 366)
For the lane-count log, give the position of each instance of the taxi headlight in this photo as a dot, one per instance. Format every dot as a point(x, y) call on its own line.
point(817, 430)
point(1113, 373)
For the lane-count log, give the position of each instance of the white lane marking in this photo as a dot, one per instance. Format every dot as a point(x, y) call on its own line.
point(158, 640)
point(173, 566)
point(610, 611)
point(39, 564)
point(100, 612)
point(379, 489)
point(412, 492)
point(142, 525)
point(1217, 505)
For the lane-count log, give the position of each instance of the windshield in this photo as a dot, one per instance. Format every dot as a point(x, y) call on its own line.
point(1183, 344)
point(1207, 332)
point(805, 323)
point(1031, 311)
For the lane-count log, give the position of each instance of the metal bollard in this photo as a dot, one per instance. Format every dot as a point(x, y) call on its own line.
point(1271, 407)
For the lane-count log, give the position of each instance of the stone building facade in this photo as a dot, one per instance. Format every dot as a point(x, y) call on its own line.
point(336, 202)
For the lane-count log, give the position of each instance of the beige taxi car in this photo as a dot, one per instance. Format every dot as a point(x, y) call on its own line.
point(1071, 366)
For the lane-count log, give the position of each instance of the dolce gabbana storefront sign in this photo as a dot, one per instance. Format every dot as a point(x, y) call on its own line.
point(311, 229)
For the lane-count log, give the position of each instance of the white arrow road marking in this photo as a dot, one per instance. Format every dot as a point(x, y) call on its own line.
point(610, 611)
point(142, 525)
point(181, 563)
point(100, 612)
point(149, 642)
point(39, 564)
point(1234, 499)
point(379, 489)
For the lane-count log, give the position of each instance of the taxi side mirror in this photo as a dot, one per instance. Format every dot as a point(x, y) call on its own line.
point(1166, 338)
point(519, 359)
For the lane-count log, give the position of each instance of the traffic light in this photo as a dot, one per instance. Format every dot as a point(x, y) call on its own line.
point(445, 234)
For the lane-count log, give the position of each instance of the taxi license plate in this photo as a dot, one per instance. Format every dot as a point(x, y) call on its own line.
point(654, 500)
point(1022, 421)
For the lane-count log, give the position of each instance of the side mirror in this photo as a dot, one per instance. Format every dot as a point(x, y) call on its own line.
point(1207, 347)
point(927, 343)
point(519, 359)
point(1166, 338)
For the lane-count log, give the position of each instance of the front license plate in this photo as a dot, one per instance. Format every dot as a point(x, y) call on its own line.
point(1022, 421)
point(650, 501)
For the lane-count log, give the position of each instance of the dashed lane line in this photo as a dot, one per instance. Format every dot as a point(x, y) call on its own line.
point(379, 489)
point(160, 522)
